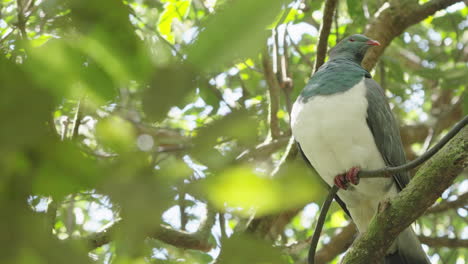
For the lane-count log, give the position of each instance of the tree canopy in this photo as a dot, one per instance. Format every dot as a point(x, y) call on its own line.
point(157, 131)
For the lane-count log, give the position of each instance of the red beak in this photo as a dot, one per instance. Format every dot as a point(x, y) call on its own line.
point(372, 42)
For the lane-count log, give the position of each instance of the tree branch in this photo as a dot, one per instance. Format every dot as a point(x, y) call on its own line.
point(340, 242)
point(328, 12)
point(444, 242)
point(263, 150)
point(397, 214)
point(461, 201)
point(393, 18)
point(430, 8)
point(21, 9)
point(163, 233)
point(304, 58)
point(274, 90)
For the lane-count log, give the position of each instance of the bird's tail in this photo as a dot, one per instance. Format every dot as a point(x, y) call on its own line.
point(408, 250)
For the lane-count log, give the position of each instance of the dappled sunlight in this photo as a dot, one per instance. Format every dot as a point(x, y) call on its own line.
point(158, 131)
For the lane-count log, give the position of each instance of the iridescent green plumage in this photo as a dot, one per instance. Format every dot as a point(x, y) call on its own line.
point(342, 71)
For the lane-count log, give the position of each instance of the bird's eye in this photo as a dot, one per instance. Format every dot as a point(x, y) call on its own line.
point(352, 40)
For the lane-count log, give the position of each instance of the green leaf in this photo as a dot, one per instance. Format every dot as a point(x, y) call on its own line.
point(168, 88)
point(244, 249)
point(172, 10)
point(244, 189)
point(355, 11)
point(65, 170)
point(116, 134)
point(83, 71)
point(237, 30)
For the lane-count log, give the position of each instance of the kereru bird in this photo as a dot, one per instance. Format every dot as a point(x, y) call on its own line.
point(342, 123)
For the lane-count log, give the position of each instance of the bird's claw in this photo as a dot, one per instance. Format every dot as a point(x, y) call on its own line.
point(342, 180)
point(352, 175)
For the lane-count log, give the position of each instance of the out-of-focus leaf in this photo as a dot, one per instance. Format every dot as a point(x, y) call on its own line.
point(80, 75)
point(65, 170)
point(243, 249)
point(117, 134)
point(355, 10)
point(24, 108)
point(142, 196)
point(209, 96)
point(246, 190)
point(169, 87)
point(39, 41)
point(236, 31)
point(106, 23)
point(174, 168)
point(238, 126)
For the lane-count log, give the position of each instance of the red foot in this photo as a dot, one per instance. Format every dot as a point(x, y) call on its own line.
point(340, 181)
point(352, 175)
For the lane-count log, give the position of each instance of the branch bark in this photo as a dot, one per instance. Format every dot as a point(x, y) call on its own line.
point(328, 12)
point(395, 215)
point(342, 240)
point(444, 242)
point(263, 150)
point(461, 201)
point(393, 18)
point(163, 233)
point(274, 90)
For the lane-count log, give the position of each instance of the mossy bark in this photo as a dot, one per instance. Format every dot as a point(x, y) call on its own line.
point(397, 214)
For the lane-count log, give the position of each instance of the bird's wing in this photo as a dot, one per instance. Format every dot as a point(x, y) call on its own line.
point(385, 130)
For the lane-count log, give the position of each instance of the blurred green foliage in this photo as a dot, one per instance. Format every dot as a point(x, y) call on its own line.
point(134, 113)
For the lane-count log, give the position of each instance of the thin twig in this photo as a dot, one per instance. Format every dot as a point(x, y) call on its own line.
point(182, 206)
point(321, 220)
point(77, 120)
point(389, 171)
point(286, 80)
point(328, 12)
point(222, 225)
point(263, 150)
point(298, 50)
point(273, 87)
point(21, 8)
point(337, 31)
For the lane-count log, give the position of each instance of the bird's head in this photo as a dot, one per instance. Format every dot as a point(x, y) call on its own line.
point(353, 47)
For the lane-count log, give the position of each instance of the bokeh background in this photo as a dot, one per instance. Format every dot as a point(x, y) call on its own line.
point(156, 131)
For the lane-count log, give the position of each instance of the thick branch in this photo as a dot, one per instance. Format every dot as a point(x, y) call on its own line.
point(461, 201)
point(328, 12)
point(397, 214)
point(345, 237)
point(444, 242)
point(269, 227)
point(163, 233)
point(393, 18)
point(430, 8)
